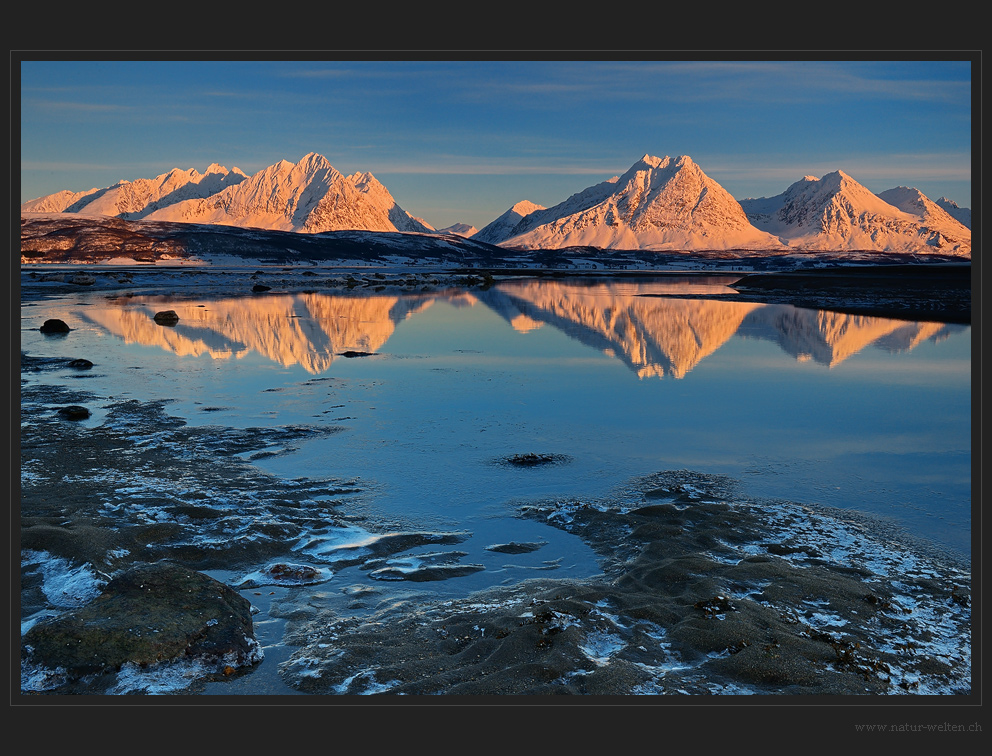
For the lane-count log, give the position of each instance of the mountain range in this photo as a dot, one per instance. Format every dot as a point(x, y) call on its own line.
point(658, 204)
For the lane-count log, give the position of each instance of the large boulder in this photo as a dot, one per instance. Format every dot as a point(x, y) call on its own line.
point(147, 614)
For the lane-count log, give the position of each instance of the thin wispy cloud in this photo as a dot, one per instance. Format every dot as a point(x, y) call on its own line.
point(76, 107)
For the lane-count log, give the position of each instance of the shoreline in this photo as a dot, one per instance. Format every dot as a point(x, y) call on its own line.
point(938, 292)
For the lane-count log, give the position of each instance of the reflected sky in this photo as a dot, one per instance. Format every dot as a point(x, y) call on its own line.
point(624, 378)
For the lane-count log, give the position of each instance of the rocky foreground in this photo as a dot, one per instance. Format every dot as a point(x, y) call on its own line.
point(703, 591)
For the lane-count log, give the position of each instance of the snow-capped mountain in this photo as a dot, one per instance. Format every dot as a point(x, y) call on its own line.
point(460, 229)
point(503, 227)
point(310, 196)
point(961, 214)
point(132, 200)
point(929, 213)
point(835, 212)
point(658, 204)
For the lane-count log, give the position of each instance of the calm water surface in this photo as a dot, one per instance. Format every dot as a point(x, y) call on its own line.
point(620, 378)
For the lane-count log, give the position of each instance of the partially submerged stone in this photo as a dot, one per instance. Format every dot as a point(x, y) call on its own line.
point(54, 325)
point(74, 412)
point(529, 459)
point(166, 317)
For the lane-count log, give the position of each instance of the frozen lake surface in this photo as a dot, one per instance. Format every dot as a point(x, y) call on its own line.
point(423, 399)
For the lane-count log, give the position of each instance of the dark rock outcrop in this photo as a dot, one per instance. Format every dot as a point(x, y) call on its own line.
point(54, 326)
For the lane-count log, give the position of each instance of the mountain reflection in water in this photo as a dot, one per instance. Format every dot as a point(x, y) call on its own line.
point(653, 335)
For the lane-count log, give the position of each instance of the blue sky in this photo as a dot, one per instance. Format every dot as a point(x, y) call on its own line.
point(462, 141)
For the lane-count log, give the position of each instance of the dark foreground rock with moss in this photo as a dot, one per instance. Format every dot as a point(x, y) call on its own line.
point(147, 615)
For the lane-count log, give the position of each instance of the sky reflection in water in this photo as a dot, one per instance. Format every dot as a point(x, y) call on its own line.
point(820, 407)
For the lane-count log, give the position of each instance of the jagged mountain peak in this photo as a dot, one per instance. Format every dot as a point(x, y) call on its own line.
point(650, 161)
point(526, 207)
point(961, 214)
point(911, 200)
point(459, 229)
point(313, 161)
point(506, 224)
point(366, 182)
point(309, 196)
point(836, 212)
point(658, 203)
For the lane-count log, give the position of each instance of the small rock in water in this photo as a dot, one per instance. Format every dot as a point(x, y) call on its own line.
point(351, 353)
point(81, 364)
point(260, 287)
point(74, 412)
point(293, 572)
point(530, 459)
point(515, 547)
point(54, 326)
point(166, 317)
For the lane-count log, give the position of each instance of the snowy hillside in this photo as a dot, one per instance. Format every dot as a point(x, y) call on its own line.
point(504, 226)
point(961, 214)
point(835, 212)
point(658, 204)
point(928, 212)
point(310, 196)
point(460, 229)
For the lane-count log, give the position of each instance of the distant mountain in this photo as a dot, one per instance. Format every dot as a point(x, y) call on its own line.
point(835, 212)
point(460, 229)
point(133, 200)
point(960, 214)
point(929, 213)
point(503, 227)
point(310, 196)
point(658, 204)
